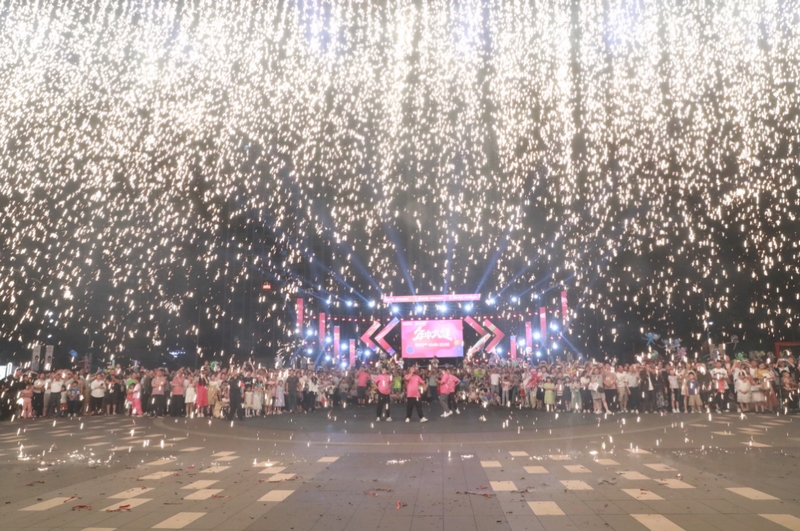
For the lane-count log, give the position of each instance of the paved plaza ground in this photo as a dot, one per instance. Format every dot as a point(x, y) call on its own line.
point(486, 469)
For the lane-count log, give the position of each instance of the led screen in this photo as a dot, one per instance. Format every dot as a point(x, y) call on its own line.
point(433, 339)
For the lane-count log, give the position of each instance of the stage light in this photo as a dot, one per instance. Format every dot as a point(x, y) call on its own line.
point(395, 309)
point(309, 332)
point(441, 307)
point(328, 339)
point(344, 347)
point(327, 358)
point(537, 336)
point(419, 308)
point(498, 350)
point(521, 342)
point(538, 353)
point(349, 304)
point(555, 346)
point(371, 304)
point(468, 307)
point(308, 351)
point(553, 326)
point(515, 299)
point(343, 365)
point(490, 301)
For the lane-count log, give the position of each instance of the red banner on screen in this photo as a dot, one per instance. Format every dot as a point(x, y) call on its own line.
point(300, 319)
point(322, 328)
point(336, 339)
point(433, 339)
point(543, 324)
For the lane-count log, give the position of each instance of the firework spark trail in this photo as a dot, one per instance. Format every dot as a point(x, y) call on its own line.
point(143, 144)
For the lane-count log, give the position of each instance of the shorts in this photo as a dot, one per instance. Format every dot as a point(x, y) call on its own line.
point(695, 401)
point(362, 392)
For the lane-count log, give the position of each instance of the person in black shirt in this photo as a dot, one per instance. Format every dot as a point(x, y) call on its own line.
point(236, 409)
point(292, 383)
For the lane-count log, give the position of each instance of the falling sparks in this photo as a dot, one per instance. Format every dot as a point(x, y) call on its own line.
point(162, 160)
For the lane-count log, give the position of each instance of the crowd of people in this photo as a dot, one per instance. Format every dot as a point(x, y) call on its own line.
point(245, 391)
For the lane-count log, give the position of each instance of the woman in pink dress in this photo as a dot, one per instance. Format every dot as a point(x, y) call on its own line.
point(201, 401)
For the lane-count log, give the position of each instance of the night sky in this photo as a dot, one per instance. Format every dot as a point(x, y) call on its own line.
point(162, 160)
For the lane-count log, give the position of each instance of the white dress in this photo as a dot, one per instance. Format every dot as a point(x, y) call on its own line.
point(258, 398)
point(190, 394)
point(743, 391)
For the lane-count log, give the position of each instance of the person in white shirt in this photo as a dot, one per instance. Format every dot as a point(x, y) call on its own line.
point(743, 389)
point(38, 395)
point(634, 394)
point(55, 395)
point(98, 387)
point(494, 381)
point(719, 377)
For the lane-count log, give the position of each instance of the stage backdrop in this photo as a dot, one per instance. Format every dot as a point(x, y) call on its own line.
point(433, 339)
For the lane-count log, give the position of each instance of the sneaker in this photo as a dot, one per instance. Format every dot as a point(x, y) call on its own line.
point(388, 419)
point(423, 419)
point(444, 414)
point(408, 420)
point(378, 419)
point(458, 412)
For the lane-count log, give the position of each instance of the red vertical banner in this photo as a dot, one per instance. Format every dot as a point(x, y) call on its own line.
point(543, 325)
point(300, 314)
point(336, 346)
point(564, 308)
point(352, 352)
point(529, 335)
point(513, 348)
point(322, 327)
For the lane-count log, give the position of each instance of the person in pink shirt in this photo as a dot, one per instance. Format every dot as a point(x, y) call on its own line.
point(362, 377)
point(413, 385)
point(177, 402)
point(384, 383)
point(452, 385)
point(158, 400)
point(444, 392)
point(136, 398)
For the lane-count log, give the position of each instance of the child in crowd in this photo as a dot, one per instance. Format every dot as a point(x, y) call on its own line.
point(74, 400)
point(279, 400)
point(695, 404)
point(574, 387)
point(62, 402)
point(129, 400)
point(27, 401)
point(136, 398)
point(248, 401)
point(549, 394)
